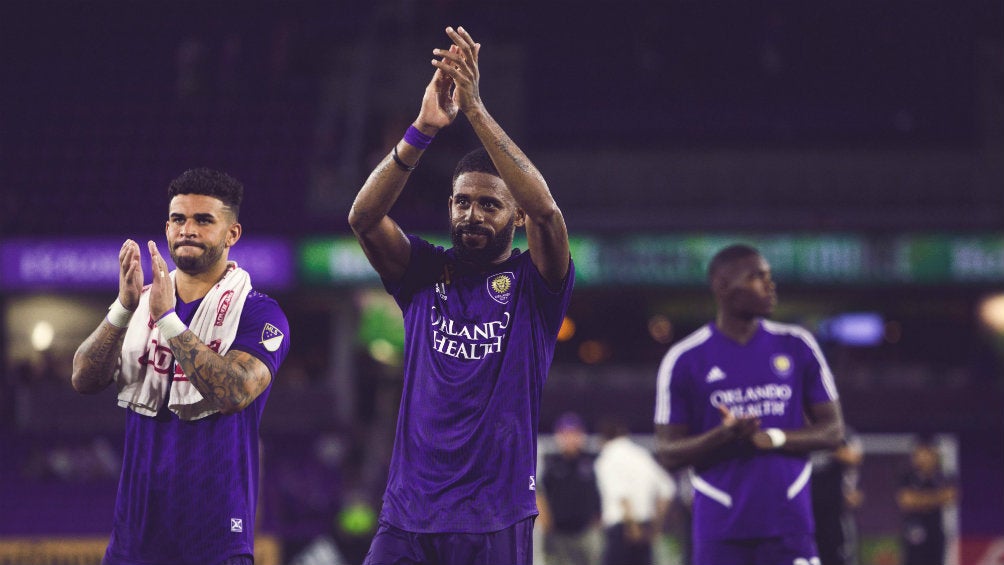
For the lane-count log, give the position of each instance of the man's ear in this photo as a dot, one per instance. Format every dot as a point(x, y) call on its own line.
point(520, 220)
point(719, 284)
point(234, 233)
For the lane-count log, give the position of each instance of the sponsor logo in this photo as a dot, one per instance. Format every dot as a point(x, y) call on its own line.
point(715, 374)
point(224, 305)
point(467, 341)
point(441, 290)
point(271, 337)
point(158, 357)
point(500, 287)
point(236, 525)
point(758, 401)
point(781, 365)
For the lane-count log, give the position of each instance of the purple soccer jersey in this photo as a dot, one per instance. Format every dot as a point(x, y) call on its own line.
point(743, 492)
point(477, 350)
point(189, 489)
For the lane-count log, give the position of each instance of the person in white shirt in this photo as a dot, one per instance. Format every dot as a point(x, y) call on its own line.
point(635, 493)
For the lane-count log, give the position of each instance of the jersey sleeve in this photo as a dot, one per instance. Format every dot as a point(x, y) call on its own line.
point(425, 266)
point(819, 385)
point(553, 303)
point(671, 395)
point(263, 331)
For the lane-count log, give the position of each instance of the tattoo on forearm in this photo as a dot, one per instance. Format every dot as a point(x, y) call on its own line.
point(225, 381)
point(506, 146)
point(100, 352)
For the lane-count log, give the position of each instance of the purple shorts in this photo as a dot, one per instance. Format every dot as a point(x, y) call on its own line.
point(511, 546)
point(797, 549)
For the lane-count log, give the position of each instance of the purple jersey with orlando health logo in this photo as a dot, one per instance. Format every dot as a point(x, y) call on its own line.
point(478, 345)
point(744, 492)
point(188, 489)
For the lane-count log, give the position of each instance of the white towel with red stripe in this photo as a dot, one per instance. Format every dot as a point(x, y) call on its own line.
point(147, 362)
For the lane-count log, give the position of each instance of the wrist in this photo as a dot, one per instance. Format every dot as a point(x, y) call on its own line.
point(425, 128)
point(118, 315)
point(170, 325)
point(417, 138)
point(777, 437)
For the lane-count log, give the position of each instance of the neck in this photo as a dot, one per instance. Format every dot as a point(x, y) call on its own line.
point(193, 286)
point(737, 329)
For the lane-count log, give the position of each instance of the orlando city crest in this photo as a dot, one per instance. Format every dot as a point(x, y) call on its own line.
point(782, 365)
point(500, 287)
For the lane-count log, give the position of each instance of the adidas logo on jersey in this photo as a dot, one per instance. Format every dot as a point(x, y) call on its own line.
point(715, 374)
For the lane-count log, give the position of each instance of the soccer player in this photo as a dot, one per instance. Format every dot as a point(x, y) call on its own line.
point(743, 400)
point(481, 322)
point(193, 356)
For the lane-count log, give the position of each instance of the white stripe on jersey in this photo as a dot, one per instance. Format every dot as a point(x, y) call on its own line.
point(666, 371)
point(802, 480)
point(801, 333)
point(705, 488)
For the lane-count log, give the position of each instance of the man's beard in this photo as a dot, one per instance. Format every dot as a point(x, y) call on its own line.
point(197, 264)
point(495, 246)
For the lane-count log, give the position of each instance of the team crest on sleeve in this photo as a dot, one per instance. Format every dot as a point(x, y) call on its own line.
point(271, 337)
point(500, 287)
point(781, 365)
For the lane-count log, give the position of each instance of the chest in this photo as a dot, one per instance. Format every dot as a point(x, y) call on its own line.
point(770, 368)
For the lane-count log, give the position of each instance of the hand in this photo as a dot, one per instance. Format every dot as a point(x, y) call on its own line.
point(438, 107)
point(460, 64)
point(162, 289)
point(741, 426)
point(130, 275)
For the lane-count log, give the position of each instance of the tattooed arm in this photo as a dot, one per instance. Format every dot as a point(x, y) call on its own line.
point(230, 381)
point(97, 358)
point(547, 235)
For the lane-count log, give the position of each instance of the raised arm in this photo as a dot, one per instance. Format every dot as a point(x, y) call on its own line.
point(232, 381)
point(546, 233)
point(96, 360)
point(383, 241)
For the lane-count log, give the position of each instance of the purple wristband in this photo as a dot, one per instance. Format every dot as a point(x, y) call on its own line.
point(166, 314)
point(416, 138)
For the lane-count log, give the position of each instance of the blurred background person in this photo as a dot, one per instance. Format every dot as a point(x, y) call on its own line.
point(835, 497)
point(568, 499)
point(922, 498)
point(635, 493)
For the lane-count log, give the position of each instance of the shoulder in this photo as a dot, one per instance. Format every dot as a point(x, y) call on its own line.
point(259, 301)
point(792, 331)
point(783, 329)
point(684, 347)
point(262, 308)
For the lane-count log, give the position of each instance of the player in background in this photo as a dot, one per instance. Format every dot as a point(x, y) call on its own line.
point(743, 400)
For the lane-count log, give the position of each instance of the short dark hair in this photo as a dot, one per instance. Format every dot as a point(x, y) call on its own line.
point(209, 182)
point(477, 161)
point(727, 255)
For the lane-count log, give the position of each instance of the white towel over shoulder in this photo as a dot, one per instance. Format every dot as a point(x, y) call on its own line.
point(147, 363)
